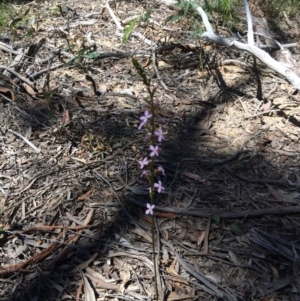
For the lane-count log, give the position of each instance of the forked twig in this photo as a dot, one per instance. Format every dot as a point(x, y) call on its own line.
point(287, 73)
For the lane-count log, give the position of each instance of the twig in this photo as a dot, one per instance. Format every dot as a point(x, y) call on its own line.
point(207, 230)
point(200, 277)
point(156, 266)
point(7, 48)
point(52, 228)
point(262, 113)
point(41, 72)
point(120, 27)
point(37, 257)
point(117, 197)
point(288, 74)
point(72, 240)
point(22, 78)
point(215, 162)
point(254, 180)
point(157, 72)
point(141, 37)
point(204, 212)
point(112, 14)
point(37, 150)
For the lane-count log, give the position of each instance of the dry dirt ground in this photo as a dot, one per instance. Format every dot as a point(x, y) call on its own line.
point(71, 196)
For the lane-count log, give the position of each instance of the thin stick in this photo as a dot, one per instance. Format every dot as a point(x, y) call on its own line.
point(157, 72)
point(204, 212)
point(37, 150)
point(112, 14)
point(22, 78)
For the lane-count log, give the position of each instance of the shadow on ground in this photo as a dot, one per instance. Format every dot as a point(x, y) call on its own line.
point(188, 149)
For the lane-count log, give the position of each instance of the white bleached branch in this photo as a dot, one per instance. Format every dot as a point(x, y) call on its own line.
point(287, 73)
point(250, 24)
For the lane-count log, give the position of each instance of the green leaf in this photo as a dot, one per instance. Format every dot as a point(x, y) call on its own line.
point(141, 72)
point(15, 21)
point(70, 62)
point(194, 4)
point(181, 4)
point(186, 9)
point(30, 32)
point(128, 30)
point(91, 55)
point(54, 9)
point(235, 229)
point(146, 15)
point(173, 18)
point(216, 218)
point(26, 13)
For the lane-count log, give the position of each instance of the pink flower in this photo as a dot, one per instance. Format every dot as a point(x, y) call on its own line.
point(159, 187)
point(143, 163)
point(154, 150)
point(144, 118)
point(150, 209)
point(160, 135)
point(161, 170)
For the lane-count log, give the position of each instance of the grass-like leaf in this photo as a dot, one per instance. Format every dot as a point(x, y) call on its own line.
point(141, 72)
point(128, 30)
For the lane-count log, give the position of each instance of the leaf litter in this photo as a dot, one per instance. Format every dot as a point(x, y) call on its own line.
point(72, 199)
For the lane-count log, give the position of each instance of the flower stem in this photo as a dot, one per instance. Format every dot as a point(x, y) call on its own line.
point(152, 175)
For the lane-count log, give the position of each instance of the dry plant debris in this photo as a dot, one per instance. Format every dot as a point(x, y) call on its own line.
point(71, 196)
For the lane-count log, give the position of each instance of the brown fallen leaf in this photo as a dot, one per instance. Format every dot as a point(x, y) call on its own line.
point(174, 297)
point(85, 195)
point(7, 90)
point(166, 214)
point(88, 290)
point(200, 238)
point(66, 117)
point(29, 89)
point(102, 284)
point(142, 233)
point(171, 269)
point(274, 271)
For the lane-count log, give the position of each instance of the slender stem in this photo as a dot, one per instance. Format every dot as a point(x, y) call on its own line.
point(152, 175)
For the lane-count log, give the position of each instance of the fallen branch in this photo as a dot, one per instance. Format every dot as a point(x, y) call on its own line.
point(204, 212)
point(22, 78)
point(34, 259)
point(37, 150)
point(288, 74)
point(203, 279)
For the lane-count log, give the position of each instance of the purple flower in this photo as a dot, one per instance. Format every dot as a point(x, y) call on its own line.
point(160, 135)
point(161, 170)
point(144, 118)
point(154, 150)
point(143, 163)
point(159, 187)
point(150, 209)
point(145, 173)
